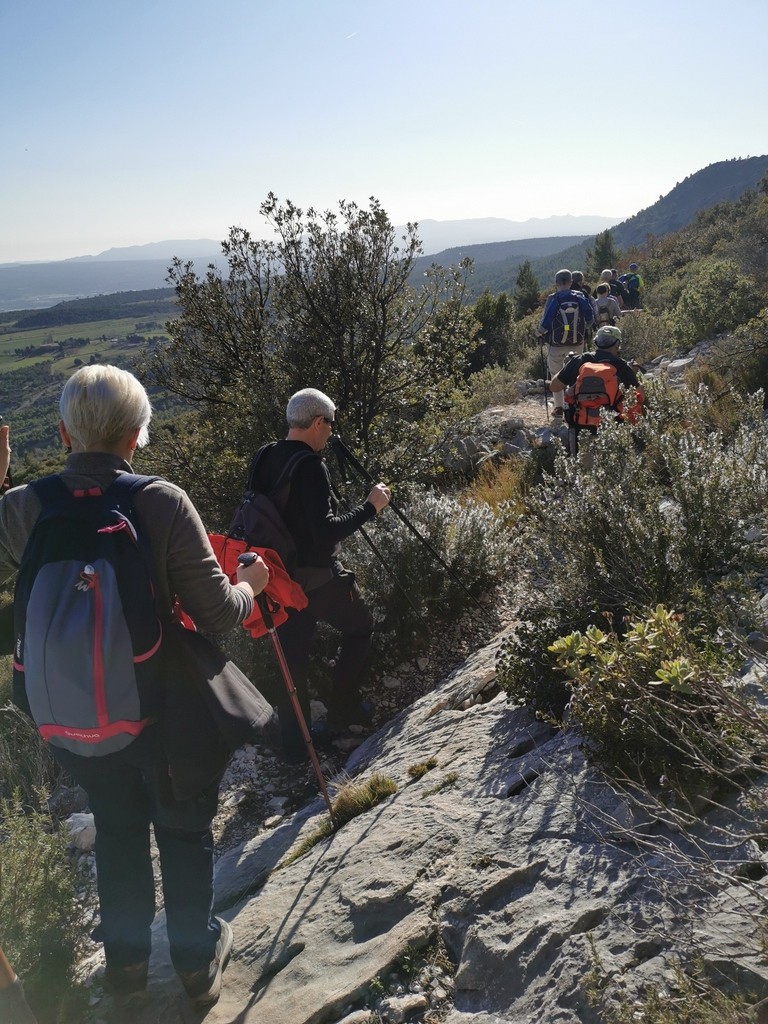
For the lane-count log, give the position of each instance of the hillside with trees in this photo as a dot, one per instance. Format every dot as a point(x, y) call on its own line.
point(496, 263)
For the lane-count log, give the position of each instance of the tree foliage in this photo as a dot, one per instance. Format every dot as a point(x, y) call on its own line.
point(494, 315)
point(327, 304)
point(527, 293)
point(349, 322)
point(603, 254)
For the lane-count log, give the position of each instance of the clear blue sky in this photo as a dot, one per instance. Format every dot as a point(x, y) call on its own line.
point(130, 122)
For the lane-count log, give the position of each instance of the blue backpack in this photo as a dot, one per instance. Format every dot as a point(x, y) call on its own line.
point(86, 654)
point(569, 327)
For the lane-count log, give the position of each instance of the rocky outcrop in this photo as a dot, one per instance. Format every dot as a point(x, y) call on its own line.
point(502, 844)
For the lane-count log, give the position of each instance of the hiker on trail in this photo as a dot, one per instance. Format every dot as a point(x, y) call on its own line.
point(105, 415)
point(566, 324)
point(619, 289)
point(634, 283)
point(577, 283)
point(607, 310)
point(596, 381)
point(317, 526)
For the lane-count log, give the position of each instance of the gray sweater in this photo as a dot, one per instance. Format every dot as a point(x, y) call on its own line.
point(184, 564)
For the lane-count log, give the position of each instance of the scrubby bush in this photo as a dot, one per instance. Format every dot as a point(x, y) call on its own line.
point(42, 914)
point(657, 704)
point(409, 587)
point(661, 517)
point(644, 336)
point(26, 765)
point(502, 483)
point(716, 298)
point(741, 359)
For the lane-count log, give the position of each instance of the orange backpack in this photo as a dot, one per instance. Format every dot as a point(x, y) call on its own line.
point(596, 388)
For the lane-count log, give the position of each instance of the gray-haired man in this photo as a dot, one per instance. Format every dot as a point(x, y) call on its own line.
point(312, 516)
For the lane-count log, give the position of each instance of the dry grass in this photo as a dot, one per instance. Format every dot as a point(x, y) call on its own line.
point(353, 798)
point(502, 482)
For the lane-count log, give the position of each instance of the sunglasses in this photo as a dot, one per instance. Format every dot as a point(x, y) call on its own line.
point(329, 422)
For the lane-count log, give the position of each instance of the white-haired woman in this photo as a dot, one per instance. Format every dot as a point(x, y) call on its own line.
point(105, 415)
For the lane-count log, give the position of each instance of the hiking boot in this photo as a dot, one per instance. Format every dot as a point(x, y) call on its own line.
point(557, 413)
point(322, 735)
point(203, 986)
point(123, 981)
point(341, 718)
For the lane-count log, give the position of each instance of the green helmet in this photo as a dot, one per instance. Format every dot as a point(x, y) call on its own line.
point(607, 337)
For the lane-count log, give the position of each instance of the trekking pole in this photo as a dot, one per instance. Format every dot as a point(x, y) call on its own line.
point(383, 562)
point(544, 378)
point(14, 1008)
point(247, 558)
point(338, 445)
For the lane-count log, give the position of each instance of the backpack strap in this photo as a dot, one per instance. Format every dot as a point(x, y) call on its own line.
point(51, 490)
point(255, 466)
point(286, 474)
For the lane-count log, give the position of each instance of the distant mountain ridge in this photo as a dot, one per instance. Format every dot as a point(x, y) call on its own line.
point(185, 249)
point(497, 263)
point(143, 267)
point(717, 183)
point(439, 235)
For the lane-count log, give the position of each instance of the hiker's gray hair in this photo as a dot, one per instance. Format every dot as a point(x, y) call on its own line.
point(306, 405)
point(563, 277)
point(100, 404)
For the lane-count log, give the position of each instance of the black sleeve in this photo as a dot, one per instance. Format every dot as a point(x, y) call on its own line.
point(570, 371)
point(312, 486)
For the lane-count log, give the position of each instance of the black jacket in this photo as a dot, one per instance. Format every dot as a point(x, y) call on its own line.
point(311, 511)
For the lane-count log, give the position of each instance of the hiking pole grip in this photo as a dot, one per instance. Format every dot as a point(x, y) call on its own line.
point(248, 558)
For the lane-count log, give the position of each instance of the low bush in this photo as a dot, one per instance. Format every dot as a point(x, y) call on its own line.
point(43, 915)
point(26, 765)
point(644, 336)
point(688, 997)
point(658, 705)
point(503, 481)
point(413, 591)
point(662, 517)
point(716, 297)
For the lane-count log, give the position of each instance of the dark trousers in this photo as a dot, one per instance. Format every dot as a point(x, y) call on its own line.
point(126, 792)
point(338, 603)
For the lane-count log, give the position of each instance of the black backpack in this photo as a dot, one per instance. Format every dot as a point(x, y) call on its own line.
point(87, 662)
point(258, 519)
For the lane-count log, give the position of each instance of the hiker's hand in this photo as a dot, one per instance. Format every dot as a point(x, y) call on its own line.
point(379, 496)
point(5, 451)
point(256, 575)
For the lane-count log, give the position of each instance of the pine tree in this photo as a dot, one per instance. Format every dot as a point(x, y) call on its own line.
point(527, 294)
point(603, 256)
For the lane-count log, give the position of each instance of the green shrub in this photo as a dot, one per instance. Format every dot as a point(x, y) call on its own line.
point(644, 336)
point(716, 298)
point(412, 590)
point(656, 704)
point(43, 917)
point(661, 518)
point(26, 765)
point(741, 359)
